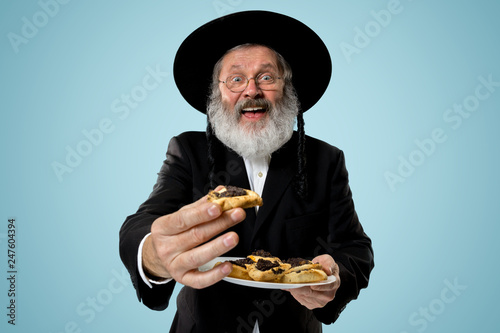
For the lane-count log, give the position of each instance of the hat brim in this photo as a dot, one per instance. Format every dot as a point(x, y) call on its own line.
point(301, 47)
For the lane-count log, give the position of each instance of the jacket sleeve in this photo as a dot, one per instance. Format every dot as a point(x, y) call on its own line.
point(171, 191)
point(347, 243)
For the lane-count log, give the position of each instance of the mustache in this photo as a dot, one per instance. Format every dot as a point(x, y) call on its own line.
point(259, 102)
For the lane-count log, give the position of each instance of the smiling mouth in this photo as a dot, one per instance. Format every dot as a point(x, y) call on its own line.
point(254, 110)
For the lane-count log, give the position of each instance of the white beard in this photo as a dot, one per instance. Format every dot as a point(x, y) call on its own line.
point(254, 139)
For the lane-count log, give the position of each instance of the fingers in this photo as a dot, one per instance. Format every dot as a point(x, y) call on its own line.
point(198, 280)
point(188, 262)
point(324, 287)
point(184, 240)
point(169, 245)
point(327, 262)
point(312, 299)
point(199, 233)
point(188, 217)
point(198, 256)
point(183, 266)
point(318, 296)
point(331, 268)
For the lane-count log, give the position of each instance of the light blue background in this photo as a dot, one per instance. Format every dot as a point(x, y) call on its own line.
point(439, 226)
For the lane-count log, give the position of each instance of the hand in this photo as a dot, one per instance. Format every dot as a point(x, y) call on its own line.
point(173, 249)
point(314, 297)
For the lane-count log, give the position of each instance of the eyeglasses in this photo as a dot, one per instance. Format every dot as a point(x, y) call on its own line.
point(239, 82)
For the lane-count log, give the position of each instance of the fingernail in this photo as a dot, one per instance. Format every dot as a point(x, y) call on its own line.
point(213, 211)
point(229, 241)
point(226, 269)
point(236, 215)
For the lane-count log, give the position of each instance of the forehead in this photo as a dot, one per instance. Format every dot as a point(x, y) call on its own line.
point(250, 58)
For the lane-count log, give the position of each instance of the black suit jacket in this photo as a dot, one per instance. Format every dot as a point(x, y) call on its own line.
point(286, 226)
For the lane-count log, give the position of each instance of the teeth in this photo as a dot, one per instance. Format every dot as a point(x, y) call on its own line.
point(253, 109)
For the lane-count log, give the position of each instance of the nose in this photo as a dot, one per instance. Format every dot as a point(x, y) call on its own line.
point(252, 90)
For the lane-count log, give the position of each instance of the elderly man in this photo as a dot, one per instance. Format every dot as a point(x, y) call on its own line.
point(252, 90)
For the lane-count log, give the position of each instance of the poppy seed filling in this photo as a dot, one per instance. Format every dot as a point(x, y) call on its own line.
point(262, 253)
point(242, 262)
point(264, 265)
point(231, 191)
point(297, 262)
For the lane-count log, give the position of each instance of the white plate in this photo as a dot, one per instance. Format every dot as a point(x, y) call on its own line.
point(260, 284)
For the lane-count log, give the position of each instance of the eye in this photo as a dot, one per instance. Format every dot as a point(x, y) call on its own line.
point(266, 77)
point(236, 79)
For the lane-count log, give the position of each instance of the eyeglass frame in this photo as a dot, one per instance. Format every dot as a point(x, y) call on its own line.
point(248, 81)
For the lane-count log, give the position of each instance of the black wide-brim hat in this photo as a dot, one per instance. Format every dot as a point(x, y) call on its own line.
point(301, 47)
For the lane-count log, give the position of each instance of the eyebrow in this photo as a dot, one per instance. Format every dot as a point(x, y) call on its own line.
point(262, 67)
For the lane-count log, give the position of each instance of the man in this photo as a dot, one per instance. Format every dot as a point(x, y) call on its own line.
point(260, 71)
